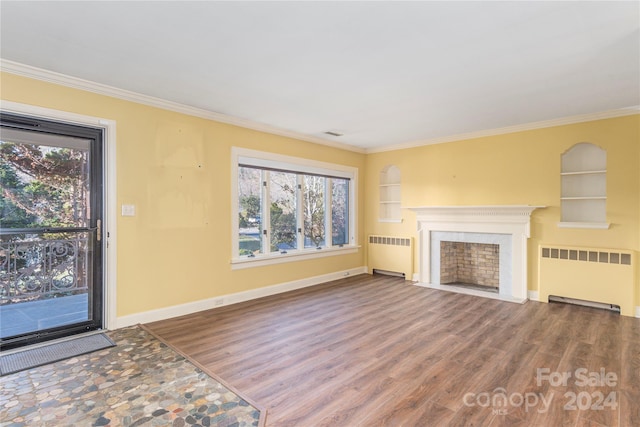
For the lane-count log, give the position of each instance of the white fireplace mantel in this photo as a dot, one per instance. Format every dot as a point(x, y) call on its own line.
point(511, 220)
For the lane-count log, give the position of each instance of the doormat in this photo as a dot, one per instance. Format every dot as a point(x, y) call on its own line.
point(20, 361)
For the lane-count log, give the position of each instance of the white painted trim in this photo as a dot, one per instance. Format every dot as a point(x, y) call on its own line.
point(268, 159)
point(517, 214)
point(620, 112)
point(638, 311)
point(110, 226)
point(416, 277)
point(533, 295)
point(223, 300)
point(294, 255)
point(513, 220)
point(589, 225)
point(110, 191)
point(31, 72)
point(102, 89)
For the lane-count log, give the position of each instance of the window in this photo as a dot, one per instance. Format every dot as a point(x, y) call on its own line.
point(340, 211)
point(249, 211)
point(289, 207)
point(282, 205)
point(313, 210)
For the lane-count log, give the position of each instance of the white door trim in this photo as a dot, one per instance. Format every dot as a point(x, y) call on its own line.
point(109, 192)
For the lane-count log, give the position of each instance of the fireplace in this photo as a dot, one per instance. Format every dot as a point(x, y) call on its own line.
point(475, 265)
point(506, 228)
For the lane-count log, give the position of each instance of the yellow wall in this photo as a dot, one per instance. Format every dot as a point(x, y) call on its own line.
point(519, 168)
point(176, 170)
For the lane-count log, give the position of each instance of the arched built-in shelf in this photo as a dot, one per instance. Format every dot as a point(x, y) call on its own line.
point(390, 210)
point(584, 187)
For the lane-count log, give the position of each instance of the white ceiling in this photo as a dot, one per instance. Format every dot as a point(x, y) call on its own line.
point(381, 73)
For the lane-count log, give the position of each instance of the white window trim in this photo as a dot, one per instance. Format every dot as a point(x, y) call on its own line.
point(239, 263)
point(278, 161)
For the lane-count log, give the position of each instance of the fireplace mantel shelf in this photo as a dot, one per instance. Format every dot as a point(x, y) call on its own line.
point(483, 210)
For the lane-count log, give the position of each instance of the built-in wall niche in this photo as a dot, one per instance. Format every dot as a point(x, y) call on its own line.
point(390, 194)
point(584, 187)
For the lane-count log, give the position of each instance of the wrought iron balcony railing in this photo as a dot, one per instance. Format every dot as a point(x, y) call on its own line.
point(43, 265)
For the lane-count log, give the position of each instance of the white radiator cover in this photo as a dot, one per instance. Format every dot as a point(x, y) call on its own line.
point(391, 253)
point(599, 275)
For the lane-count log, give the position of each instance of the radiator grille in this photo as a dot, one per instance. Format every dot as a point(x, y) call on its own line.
point(393, 241)
point(391, 254)
point(587, 255)
point(595, 275)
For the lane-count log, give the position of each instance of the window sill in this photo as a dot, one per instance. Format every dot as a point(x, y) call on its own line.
point(277, 258)
point(591, 225)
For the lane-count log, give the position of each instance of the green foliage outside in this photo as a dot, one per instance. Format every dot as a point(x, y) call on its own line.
point(42, 187)
point(283, 209)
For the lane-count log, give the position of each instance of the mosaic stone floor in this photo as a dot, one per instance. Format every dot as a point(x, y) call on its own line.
point(140, 382)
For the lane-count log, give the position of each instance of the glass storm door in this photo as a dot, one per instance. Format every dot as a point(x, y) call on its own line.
point(50, 230)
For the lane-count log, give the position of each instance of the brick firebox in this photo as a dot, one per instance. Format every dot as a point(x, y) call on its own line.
point(470, 263)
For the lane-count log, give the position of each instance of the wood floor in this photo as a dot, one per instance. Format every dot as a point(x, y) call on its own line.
point(376, 350)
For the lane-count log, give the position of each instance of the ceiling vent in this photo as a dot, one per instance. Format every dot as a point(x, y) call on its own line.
point(333, 133)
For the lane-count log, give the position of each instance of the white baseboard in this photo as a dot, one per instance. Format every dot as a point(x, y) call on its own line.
point(638, 312)
point(220, 301)
point(533, 295)
point(416, 277)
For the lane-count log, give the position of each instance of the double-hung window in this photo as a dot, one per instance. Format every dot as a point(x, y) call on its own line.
point(286, 207)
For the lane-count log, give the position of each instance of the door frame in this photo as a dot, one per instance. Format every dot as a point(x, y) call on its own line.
point(109, 193)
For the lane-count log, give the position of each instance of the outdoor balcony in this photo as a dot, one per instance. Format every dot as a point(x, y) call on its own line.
point(29, 316)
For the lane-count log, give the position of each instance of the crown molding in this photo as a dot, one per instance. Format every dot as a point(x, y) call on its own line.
point(627, 111)
point(36, 73)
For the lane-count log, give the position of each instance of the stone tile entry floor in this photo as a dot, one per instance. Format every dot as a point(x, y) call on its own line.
point(139, 382)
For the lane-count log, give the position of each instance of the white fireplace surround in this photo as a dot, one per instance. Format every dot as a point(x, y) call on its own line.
point(509, 226)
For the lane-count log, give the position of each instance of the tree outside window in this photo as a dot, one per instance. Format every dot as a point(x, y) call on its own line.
point(314, 210)
point(339, 211)
point(249, 211)
point(283, 211)
point(302, 210)
point(43, 186)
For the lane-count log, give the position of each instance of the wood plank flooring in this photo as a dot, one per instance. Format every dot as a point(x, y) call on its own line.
point(379, 351)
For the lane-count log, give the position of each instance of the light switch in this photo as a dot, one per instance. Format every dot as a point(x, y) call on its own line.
point(128, 210)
